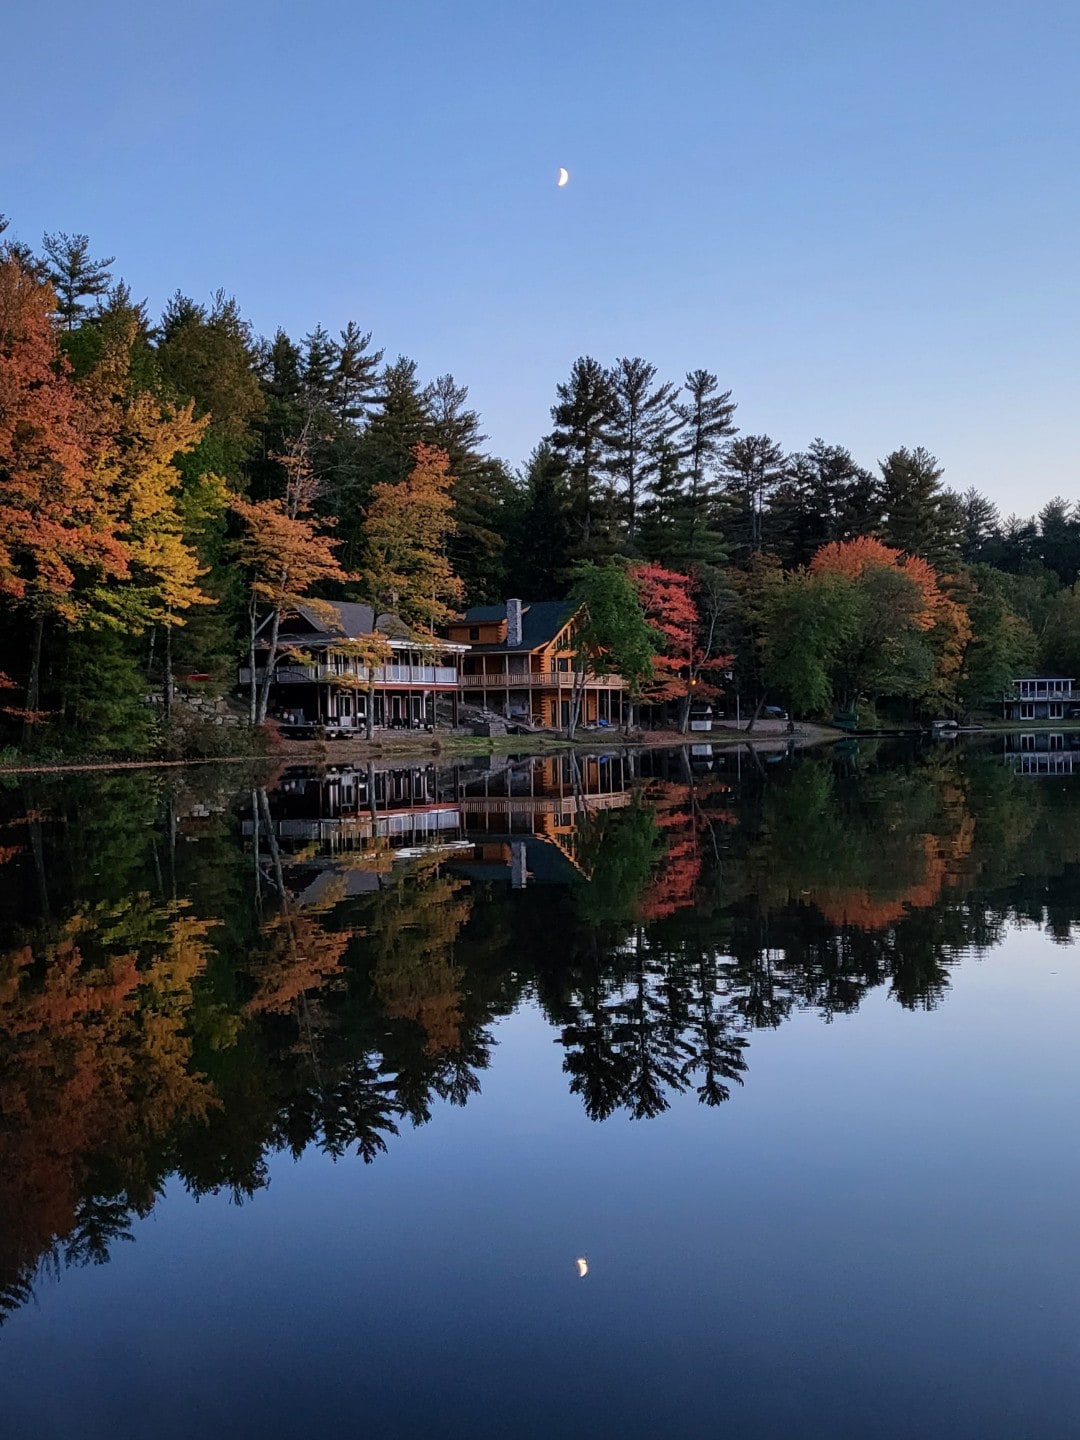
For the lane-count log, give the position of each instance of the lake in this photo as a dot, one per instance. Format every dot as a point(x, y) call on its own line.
point(683, 1093)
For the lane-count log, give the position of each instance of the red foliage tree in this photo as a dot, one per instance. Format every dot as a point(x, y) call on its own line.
point(680, 670)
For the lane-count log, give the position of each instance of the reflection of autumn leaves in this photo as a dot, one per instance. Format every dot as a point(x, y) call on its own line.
point(96, 1057)
point(298, 954)
point(934, 861)
point(413, 931)
point(684, 814)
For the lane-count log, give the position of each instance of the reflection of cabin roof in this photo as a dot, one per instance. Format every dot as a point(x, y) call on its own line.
point(337, 881)
point(541, 621)
point(545, 862)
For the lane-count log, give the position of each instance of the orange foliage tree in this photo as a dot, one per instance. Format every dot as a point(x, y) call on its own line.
point(288, 552)
point(905, 633)
point(53, 528)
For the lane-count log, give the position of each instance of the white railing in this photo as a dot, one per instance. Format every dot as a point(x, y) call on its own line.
point(384, 674)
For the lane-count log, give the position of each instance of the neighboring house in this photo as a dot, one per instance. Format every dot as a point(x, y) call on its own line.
point(1042, 697)
point(520, 664)
point(317, 687)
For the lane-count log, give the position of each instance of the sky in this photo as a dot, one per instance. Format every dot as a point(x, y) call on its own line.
point(863, 217)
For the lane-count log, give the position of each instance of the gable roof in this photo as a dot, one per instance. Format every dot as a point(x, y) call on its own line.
point(541, 621)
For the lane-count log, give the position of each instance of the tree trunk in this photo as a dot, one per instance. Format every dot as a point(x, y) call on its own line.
point(168, 687)
point(268, 674)
point(370, 707)
point(684, 713)
point(756, 716)
point(33, 683)
point(575, 703)
point(251, 662)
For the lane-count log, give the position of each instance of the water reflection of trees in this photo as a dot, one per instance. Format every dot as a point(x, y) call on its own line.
point(194, 982)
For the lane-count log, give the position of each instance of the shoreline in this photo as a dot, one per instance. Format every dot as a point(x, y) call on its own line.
point(769, 735)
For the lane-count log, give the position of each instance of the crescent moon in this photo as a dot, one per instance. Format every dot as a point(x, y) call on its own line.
point(582, 1266)
point(564, 176)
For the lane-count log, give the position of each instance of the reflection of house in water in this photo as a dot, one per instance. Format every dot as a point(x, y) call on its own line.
point(524, 818)
point(499, 819)
point(327, 825)
point(1042, 752)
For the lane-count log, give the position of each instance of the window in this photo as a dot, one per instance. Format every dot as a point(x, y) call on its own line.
point(1053, 710)
point(474, 632)
point(1057, 742)
point(1027, 742)
point(1027, 712)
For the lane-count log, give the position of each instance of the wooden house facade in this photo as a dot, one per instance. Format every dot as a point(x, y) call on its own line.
point(518, 662)
point(318, 686)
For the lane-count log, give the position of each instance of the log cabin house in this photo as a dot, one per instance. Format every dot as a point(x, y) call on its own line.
point(520, 664)
point(318, 686)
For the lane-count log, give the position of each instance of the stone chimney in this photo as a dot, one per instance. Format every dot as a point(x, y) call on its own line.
point(513, 622)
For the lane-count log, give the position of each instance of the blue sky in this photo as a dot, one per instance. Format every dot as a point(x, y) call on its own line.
point(863, 216)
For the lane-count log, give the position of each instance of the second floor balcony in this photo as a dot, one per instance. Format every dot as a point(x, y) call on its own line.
point(529, 679)
point(292, 674)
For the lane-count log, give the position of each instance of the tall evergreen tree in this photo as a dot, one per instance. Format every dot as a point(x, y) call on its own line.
point(481, 492)
point(642, 426)
point(705, 414)
point(401, 421)
point(209, 356)
point(75, 276)
point(980, 523)
point(753, 468)
point(583, 437)
point(319, 364)
point(1059, 535)
point(356, 374)
point(823, 496)
point(918, 515)
point(540, 528)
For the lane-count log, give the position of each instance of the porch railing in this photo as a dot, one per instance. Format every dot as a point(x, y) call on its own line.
point(526, 679)
point(384, 674)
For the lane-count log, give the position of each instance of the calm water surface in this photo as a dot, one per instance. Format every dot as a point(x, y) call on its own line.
point(319, 1092)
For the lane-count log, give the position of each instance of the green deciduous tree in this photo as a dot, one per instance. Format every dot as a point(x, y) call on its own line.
point(612, 634)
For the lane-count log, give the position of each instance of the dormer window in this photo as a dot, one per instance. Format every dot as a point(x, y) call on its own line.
point(474, 632)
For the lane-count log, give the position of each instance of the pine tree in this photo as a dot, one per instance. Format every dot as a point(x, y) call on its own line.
point(705, 415)
point(356, 374)
point(540, 528)
point(74, 275)
point(209, 356)
point(981, 523)
point(583, 436)
point(822, 496)
point(642, 425)
point(481, 491)
point(919, 516)
point(318, 372)
point(753, 467)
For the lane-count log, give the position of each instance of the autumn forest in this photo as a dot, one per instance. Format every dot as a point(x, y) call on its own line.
point(165, 481)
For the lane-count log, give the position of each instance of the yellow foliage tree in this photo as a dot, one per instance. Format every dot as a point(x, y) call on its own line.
point(407, 530)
